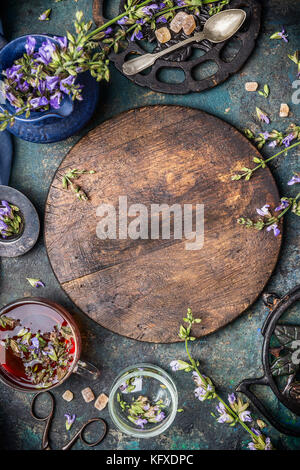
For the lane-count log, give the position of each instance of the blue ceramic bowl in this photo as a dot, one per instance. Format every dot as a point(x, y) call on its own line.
point(49, 126)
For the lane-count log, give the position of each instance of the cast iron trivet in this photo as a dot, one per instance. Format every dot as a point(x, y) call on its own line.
point(280, 360)
point(225, 56)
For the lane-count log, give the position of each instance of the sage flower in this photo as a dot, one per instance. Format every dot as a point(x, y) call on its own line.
point(260, 442)
point(178, 365)
point(283, 205)
point(294, 180)
point(137, 34)
point(275, 229)
point(224, 417)
point(141, 422)
point(288, 139)
point(45, 16)
point(264, 211)
point(205, 389)
point(150, 9)
point(70, 420)
point(245, 416)
point(35, 282)
point(232, 398)
point(160, 417)
point(62, 41)
point(262, 116)
point(123, 20)
point(280, 35)
point(30, 45)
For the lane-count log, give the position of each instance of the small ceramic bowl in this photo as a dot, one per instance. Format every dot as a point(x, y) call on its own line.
point(148, 381)
point(28, 236)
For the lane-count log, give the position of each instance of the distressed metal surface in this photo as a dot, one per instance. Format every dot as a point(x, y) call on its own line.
point(229, 355)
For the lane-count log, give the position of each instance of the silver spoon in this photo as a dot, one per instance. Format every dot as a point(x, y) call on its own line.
point(218, 28)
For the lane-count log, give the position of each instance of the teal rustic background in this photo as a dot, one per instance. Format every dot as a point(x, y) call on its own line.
point(227, 356)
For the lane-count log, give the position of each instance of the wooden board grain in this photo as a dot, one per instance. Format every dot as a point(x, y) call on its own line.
point(142, 288)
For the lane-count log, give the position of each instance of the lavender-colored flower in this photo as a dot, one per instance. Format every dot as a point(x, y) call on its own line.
point(35, 282)
point(200, 393)
point(272, 144)
point(268, 445)
point(30, 45)
point(45, 52)
point(66, 83)
point(288, 139)
point(251, 446)
point(108, 31)
point(141, 422)
point(3, 226)
point(150, 9)
point(51, 83)
point(264, 211)
point(137, 35)
point(12, 99)
point(62, 41)
point(39, 102)
point(141, 21)
point(123, 20)
point(161, 19)
point(275, 229)
point(180, 3)
point(224, 416)
point(280, 35)
point(6, 209)
point(245, 416)
point(256, 432)
point(70, 420)
point(231, 398)
point(45, 15)
point(55, 100)
point(283, 205)
point(162, 5)
point(175, 365)
point(13, 72)
point(23, 86)
point(294, 180)
point(266, 135)
point(160, 417)
point(146, 407)
point(262, 116)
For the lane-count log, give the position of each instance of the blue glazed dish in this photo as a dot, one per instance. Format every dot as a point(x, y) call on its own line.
point(42, 127)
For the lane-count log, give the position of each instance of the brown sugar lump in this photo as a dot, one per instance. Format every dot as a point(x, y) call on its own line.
point(251, 86)
point(284, 110)
point(101, 402)
point(68, 395)
point(176, 24)
point(163, 35)
point(88, 395)
point(189, 25)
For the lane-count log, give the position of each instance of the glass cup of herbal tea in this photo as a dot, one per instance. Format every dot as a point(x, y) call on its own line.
point(40, 346)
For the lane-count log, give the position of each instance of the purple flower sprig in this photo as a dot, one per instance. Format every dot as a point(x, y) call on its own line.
point(247, 173)
point(35, 282)
point(235, 411)
point(45, 16)
point(70, 419)
point(267, 220)
point(10, 220)
point(280, 35)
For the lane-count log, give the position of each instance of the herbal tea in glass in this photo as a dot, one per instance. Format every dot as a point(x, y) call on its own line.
point(38, 345)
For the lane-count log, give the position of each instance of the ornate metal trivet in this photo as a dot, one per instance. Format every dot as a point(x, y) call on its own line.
point(280, 358)
point(190, 60)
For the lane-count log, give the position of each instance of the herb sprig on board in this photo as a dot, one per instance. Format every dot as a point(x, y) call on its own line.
point(235, 411)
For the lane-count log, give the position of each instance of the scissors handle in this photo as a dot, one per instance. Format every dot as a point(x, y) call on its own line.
point(47, 419)
point(80, 434)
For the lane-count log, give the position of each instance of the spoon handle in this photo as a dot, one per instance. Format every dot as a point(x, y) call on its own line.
point(138, 64)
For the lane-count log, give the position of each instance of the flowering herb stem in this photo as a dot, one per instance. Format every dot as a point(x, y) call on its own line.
point(140, 5)
point(233, 412)
point(249, 171)
point(230, 411)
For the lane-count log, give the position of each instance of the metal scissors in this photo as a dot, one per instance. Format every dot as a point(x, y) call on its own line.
point(79, 435)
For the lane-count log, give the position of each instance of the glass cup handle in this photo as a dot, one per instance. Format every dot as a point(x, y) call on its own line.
point(87, 370)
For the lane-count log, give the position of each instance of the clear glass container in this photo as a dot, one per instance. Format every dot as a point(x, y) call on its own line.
point(144, 380)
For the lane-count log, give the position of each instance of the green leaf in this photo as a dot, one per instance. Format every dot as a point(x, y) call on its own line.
point(284, 365)
point(287, 334)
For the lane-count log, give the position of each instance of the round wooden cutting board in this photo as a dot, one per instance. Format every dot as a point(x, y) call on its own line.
point(142, 288)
